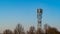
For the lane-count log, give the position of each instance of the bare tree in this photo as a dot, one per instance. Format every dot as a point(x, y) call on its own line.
point(19, 29)
point(7, 32)
point(50, 30)
point(39, 31)
point(31, 30)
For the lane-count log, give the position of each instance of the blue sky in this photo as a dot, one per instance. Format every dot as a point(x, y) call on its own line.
point(13, 12)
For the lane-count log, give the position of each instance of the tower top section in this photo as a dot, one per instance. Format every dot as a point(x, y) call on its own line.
point(39, 10)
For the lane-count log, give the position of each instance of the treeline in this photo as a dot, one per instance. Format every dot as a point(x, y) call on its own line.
point(20, 30)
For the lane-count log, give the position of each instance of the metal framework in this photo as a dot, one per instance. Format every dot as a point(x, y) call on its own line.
point(39, 18)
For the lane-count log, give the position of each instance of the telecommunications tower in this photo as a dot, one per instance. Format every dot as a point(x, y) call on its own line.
point(39, 18)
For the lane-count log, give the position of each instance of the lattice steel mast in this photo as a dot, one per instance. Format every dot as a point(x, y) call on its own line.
point(39, 18)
